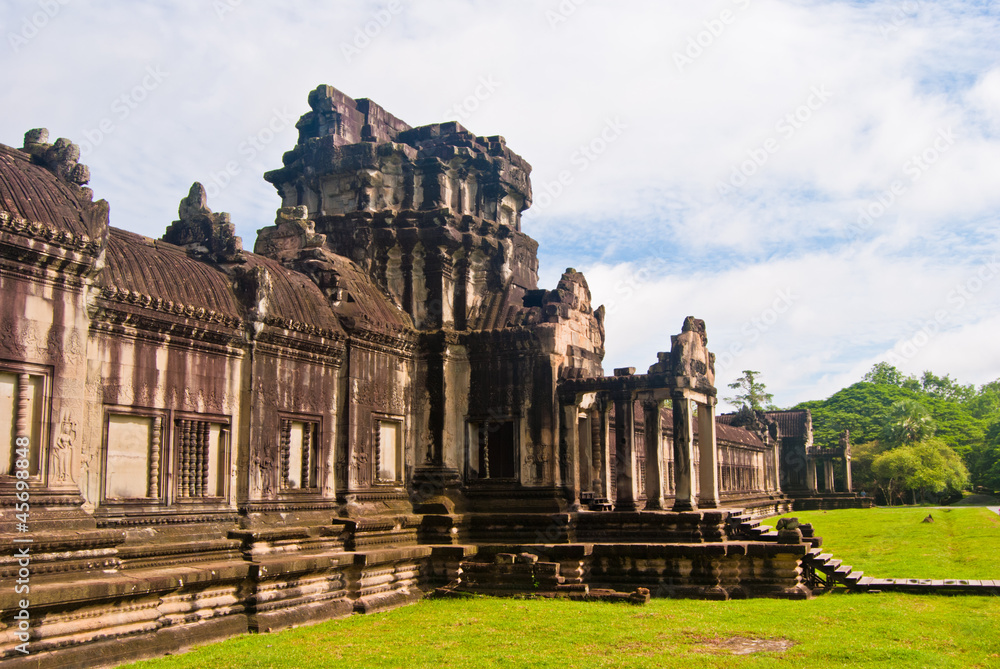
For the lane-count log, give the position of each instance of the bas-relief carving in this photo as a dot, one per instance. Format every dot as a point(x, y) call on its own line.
point(63, 447)
point(10, 341)
point(536, 458)
point(388, 398)
point(498, 400)
point(361, 469)
point(212, 402)
point(268, 395)
point(124, 392)
point(22, 339)
point(264, 481)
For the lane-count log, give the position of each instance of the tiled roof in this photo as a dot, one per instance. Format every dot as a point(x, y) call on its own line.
point(161, 270)
point(791, 423)
point(34, 193)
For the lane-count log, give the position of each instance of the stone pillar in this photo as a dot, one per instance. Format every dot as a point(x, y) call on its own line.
point(811, 483)
point(683, 455)
point(708, 468)
point(585, 453)
point(572, 439)
point(847, 473)
point(628, 486)
point(602, 451)
point(654, 455)
point(438, 271)
point(828, 481)
point(776, 462)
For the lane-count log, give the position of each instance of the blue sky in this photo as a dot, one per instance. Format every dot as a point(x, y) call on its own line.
point(817, 180)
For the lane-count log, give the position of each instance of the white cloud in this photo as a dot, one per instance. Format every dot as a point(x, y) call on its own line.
point(897, 74)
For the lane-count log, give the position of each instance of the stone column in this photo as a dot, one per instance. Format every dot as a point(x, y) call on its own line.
point(708, 468)
point(828, 480)
point(811, 483)
point(847, 472)
point(628, 486)
point(683, 455)
point(438, 271)
point(570, 434)
point(585, 453)
point(776, 462)
point(654, 455)
point(602, 451)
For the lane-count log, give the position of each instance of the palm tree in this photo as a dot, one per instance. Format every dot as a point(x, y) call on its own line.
point(908, 423)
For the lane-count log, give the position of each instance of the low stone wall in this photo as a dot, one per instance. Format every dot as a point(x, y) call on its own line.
point(102, 597)
point(96, 618)
point(726, 570)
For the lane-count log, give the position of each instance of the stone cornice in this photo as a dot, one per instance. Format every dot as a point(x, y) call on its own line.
point(48, 234)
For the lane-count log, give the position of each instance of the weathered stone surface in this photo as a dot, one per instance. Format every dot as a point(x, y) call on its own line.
point(221, 441)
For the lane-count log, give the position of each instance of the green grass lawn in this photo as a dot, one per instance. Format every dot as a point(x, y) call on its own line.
point(833, 630)
point(836, 630)
point(962, 542)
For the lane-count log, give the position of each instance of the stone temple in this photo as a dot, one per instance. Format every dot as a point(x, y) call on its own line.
point(378, 401)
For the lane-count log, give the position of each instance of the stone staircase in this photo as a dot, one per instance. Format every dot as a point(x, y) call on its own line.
point(821, 571)
point(746, 527)
point(828, 572)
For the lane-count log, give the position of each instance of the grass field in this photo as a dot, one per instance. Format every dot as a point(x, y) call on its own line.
point(962, 542)
point(834, 630)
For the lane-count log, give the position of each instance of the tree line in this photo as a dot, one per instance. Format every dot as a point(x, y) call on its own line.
point(914, 437)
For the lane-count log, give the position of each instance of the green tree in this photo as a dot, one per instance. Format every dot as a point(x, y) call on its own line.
point(754, 395)
point(908, 422)
point(986, 403)
point(984, 460)
point(893, 470)
point(884, 374)
point(941, 469)
point(946, 387)
point(881, 416)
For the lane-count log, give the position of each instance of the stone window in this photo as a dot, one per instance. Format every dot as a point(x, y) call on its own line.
point(387, 437)
point(22, 414)
point(202, 451)
point(300, 453)
point(132, 456)
point(492, 450)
